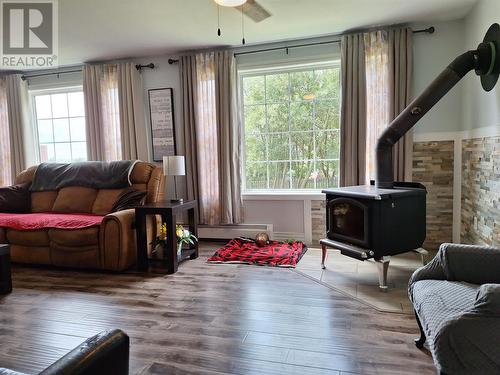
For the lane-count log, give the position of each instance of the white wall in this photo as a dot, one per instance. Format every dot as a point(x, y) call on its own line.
point(431, 54)
point(480, 108)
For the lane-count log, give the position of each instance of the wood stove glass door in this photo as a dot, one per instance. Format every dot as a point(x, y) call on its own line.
point(348, 221)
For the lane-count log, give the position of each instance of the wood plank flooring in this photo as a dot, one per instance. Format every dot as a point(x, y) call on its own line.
point(206, 319)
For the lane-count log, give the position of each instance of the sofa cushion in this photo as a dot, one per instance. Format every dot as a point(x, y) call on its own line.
point(437, 301)
point(106, 200)
point(75, 237)
point(75, 199)
point(43, 201)
point(37, 221)
point(15, 198)
point(28, 237)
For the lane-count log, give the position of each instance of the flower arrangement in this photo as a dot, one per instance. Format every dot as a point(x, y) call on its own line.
point(184, 236)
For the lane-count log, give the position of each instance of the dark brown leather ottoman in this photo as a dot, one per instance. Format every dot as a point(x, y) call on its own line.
point(5, 275)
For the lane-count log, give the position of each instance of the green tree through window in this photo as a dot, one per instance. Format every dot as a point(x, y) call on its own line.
point(291, 122)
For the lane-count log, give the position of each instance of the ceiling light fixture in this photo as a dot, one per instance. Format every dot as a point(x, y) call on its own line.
point(230, 3)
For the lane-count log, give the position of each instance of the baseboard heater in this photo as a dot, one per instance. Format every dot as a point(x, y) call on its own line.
point(226, 232)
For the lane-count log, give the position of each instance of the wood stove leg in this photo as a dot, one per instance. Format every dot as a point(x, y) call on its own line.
point(424, 255)
point(323, 256)
point(383, 266)
point(419, 343)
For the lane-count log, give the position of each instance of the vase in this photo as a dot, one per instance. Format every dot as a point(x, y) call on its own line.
point(179, 251)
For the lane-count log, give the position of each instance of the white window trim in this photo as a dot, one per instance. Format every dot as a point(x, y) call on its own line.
point(287, 194)
point(34, 127)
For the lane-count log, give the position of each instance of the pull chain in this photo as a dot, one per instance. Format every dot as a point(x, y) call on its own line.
point(218, 20)
point(242, 26)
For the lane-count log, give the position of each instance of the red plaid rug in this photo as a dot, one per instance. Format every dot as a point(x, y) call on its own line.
point(276, 254)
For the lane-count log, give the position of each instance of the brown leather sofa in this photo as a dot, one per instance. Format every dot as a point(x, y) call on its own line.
point(110, 246)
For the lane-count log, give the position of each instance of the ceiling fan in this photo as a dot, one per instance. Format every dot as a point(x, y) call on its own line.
point(250, 8)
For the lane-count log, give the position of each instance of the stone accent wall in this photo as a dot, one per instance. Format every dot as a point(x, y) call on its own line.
point(481, 191)
point(318, 217)
point(433, 167)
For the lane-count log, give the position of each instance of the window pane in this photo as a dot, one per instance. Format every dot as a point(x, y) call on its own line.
point(277, 88)
point(327, 83)
point(47, 153)
point(76, 104)
point(61, 130)
point(302, 175)
point(255, 148)
point(291, 123)
point(45, 131)
point(327, 144)
point(63, 152)
point(59, 105)
point(77, 128)
point(303, 85)
point(78, 151)
point(327, 114)
point(277, 117)
point(302, 146)
point(255, 119)
point(253, 90)
point(301, 116)
point(279, 175)
point(256, 176)
point(328, 174)
point(278, 147)
point(42, 106)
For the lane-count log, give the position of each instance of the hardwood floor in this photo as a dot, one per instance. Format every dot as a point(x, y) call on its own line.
point(206, 319)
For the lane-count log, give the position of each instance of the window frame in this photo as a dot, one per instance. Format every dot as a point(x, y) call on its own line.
point(34, 120)
point(276, 69)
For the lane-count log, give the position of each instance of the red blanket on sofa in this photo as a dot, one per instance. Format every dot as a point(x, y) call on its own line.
point(43, 220)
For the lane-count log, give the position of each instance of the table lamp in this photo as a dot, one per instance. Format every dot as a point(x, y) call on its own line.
point(174, 166)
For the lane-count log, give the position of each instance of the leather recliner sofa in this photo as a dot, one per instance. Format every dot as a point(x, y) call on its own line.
point(108, 246)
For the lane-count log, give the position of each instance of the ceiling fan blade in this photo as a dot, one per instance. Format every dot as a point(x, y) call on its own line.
point(253, 10)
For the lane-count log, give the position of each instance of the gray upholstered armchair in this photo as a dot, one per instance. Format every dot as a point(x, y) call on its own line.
point(457, 305)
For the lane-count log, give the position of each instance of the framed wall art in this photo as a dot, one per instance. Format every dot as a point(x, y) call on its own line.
point(161, 113)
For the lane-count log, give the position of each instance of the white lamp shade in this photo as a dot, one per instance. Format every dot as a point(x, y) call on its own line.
point(230, 3)
point(174, 166)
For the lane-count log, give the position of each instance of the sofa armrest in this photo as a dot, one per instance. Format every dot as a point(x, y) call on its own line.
point(105, 353)
point(470, 263)
point(488, 299)
point(117, 240)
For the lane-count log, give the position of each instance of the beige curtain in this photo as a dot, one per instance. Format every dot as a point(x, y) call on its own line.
point(114, 106)
point(212, 136)
point(388, 77)
point(189, 92)
point(353, 111)
point(132, 115)
point(400, 64)
point(5, 159)
point(100, 87)
point(377, 94)
point(13, 120)
point(229, 138)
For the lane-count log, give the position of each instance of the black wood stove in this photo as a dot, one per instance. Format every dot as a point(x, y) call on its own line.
point(387, 217)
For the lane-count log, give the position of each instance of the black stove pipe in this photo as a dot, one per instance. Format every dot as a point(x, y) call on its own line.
point(482, 60)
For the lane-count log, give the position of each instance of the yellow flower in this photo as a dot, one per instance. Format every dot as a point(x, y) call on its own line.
point(179, 231)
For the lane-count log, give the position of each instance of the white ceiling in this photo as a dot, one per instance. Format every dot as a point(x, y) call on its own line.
point(93, 30)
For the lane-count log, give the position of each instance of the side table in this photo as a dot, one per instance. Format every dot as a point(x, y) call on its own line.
point(5, 273)
point(168, 212)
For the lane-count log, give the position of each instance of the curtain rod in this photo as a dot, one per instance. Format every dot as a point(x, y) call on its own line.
point(429, 30)
point(24, 77)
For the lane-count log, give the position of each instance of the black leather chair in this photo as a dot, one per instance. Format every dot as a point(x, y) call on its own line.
point(105, 353)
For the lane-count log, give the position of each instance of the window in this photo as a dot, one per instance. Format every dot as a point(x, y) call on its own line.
point(291, 128)
point(60, 125)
